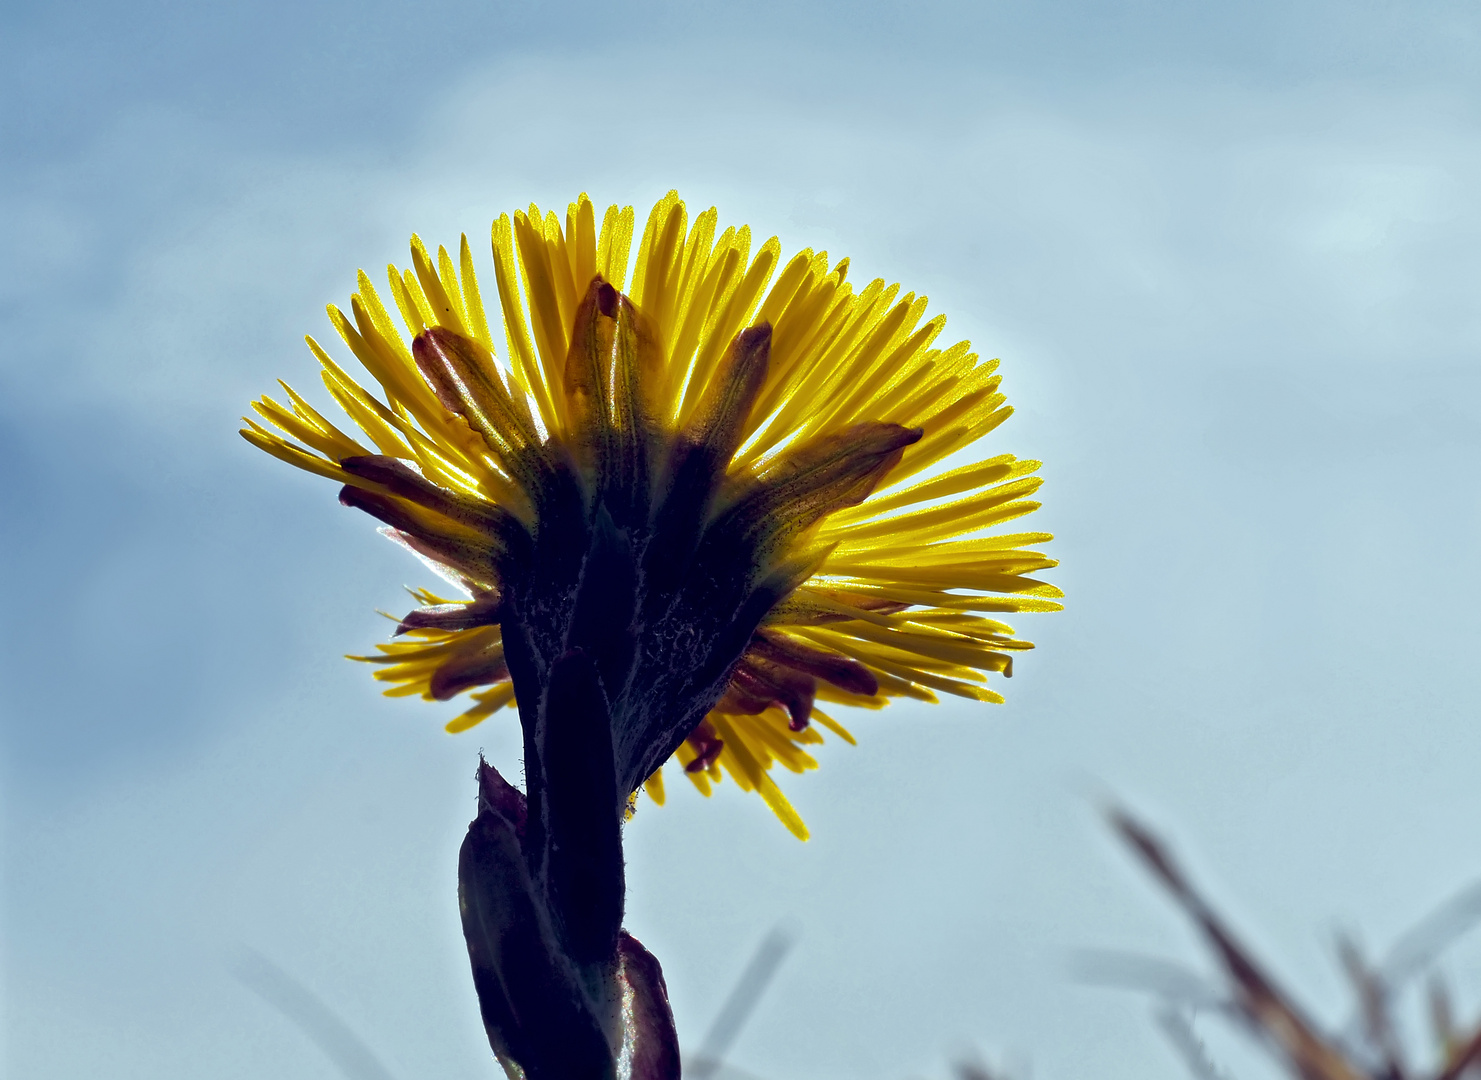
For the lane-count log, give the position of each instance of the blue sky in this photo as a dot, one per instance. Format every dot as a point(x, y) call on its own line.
point(1229, 257)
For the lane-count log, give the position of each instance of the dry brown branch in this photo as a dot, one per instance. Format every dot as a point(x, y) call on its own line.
point(1269, 1014)
point(1266, 1010)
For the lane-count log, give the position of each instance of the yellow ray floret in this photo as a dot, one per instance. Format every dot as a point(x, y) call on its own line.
point(900, 573)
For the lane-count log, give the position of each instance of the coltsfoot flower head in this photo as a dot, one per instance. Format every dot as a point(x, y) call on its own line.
point(724, 484)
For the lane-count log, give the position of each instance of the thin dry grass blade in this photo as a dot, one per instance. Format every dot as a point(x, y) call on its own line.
point(1374, 996)
point(1268, 1011)
point(1185, 1041)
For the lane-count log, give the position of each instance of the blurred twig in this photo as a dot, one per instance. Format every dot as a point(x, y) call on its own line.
point(1417, 949)
point(309, 1014)
point(1164, 979)
point(1266, 1010)
point(743, 998)
point(1178, 1028)
point(1375, 1052)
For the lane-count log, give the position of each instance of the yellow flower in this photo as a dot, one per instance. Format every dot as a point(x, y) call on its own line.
point(742, 500)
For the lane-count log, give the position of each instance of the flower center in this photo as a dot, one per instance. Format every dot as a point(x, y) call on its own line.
point(632, 543)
